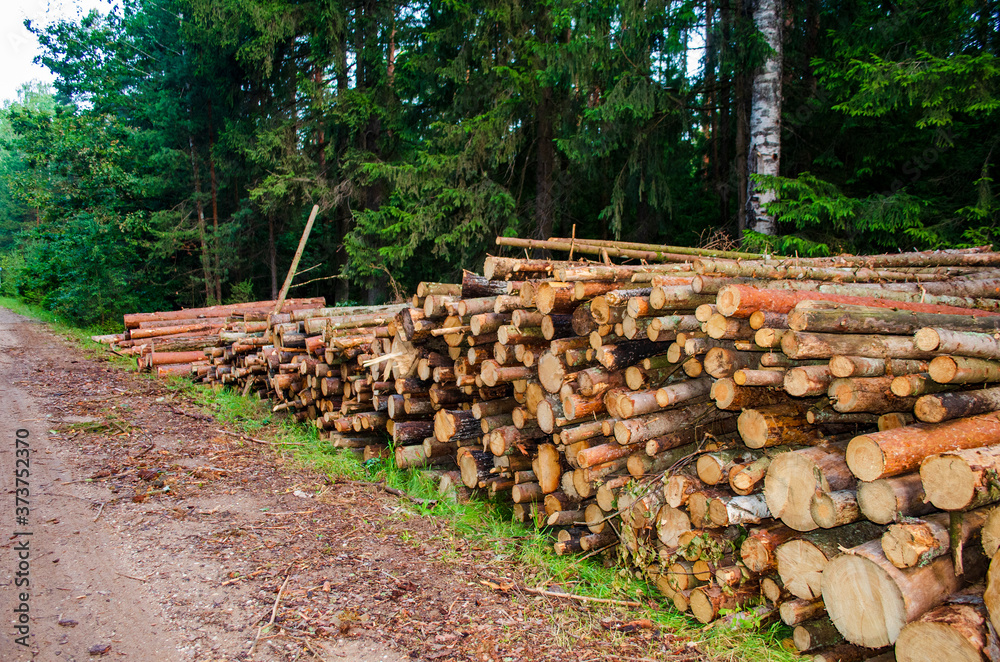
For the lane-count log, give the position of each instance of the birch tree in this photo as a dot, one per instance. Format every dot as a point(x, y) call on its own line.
point(764, 156)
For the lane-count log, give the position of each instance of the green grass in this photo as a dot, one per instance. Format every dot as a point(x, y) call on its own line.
point(491, 526)
point(482, 524)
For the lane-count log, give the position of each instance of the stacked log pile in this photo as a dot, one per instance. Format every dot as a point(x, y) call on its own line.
point(170, 342)
point(820, 434)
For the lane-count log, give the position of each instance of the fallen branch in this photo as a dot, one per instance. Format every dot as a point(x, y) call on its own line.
point(430, 503)
point(582, 598)
point(197, 417)
point(274, 614)
point(260, 441)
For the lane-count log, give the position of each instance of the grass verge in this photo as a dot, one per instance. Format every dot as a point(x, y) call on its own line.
point(491, 526)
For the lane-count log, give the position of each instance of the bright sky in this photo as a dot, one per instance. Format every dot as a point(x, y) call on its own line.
point(18, 47)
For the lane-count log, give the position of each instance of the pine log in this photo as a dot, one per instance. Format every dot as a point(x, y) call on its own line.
point(742, 300)
point(690, 435)
point(798, 610)
point(707, 602)
point(713, 468)
point(804, 381)
point(919, 541)
point(793, 478)
point(961, 370)
point(722, 362)
point(758, 550)
point(893, 452)
point(618, 357)
point(939, 407)
point(992, 594)
point(962, 343)
point(778, 424)
point(802, 345)
point(815, 634)
point(991, 533)
point(648, 427)
point(887, 499)
point(729, 396)
point(962, 479)
point(870, 600)
point(831, 509)
point(884, 321)
point(801, 561)
point(721, 327)
point(866, 394)
point(770, 377)
point(958, 630)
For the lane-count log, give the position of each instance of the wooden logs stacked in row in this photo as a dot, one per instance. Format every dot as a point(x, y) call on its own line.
point(879, 524)
point(733, 425)
point(171, 341)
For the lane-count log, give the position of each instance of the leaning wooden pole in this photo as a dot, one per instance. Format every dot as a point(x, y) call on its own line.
point(295, 260)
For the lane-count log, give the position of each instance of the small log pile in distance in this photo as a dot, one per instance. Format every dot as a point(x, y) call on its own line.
point(816, 440)
point(171, 342)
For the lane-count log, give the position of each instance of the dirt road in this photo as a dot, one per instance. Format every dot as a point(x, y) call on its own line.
point(147, 534)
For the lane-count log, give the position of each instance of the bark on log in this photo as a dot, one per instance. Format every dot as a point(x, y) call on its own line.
point(882, 321)
point(887, 499)
point(958, 630)
point(793, 478)
point(894, 452)
point(801, 561)
point(962, 343)
point(962, 479)
point(797, 611)
point(870, 600)
point(647, 427)
point(940, 407)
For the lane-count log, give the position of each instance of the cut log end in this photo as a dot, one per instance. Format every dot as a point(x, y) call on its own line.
point(949, 482)
point(865, 458)
point(850, 583)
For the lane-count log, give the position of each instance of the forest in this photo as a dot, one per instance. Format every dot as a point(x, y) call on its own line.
point(177, 156)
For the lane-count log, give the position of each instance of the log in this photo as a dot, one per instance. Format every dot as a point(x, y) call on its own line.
point(801, 561)
point(815, 634)
point(738, 510)
point(919, 541)
point(648, 427)
point(854, 319)
point(830, 509)
point(870, 600)
point(769, 377)
point(992, 594)
point(938, 407)
point(961, 370)
point(729, 396)
point(620, 356)
point(713, 468)
point(962, 479)
point(758, 550)
point(798, 610)
point(958, 630)
point(866, 394)
point(793, 478)
point(962, 343)
point(776, 425)
point(707, 602)
point(802, 345)
point(722, 362)
point(743, 300)
point(887, 499)
point(894, 452)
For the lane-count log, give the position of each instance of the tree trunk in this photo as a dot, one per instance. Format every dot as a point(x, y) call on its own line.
point(764, 156)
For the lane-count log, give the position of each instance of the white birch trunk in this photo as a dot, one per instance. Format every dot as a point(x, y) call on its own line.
point(765, 118)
